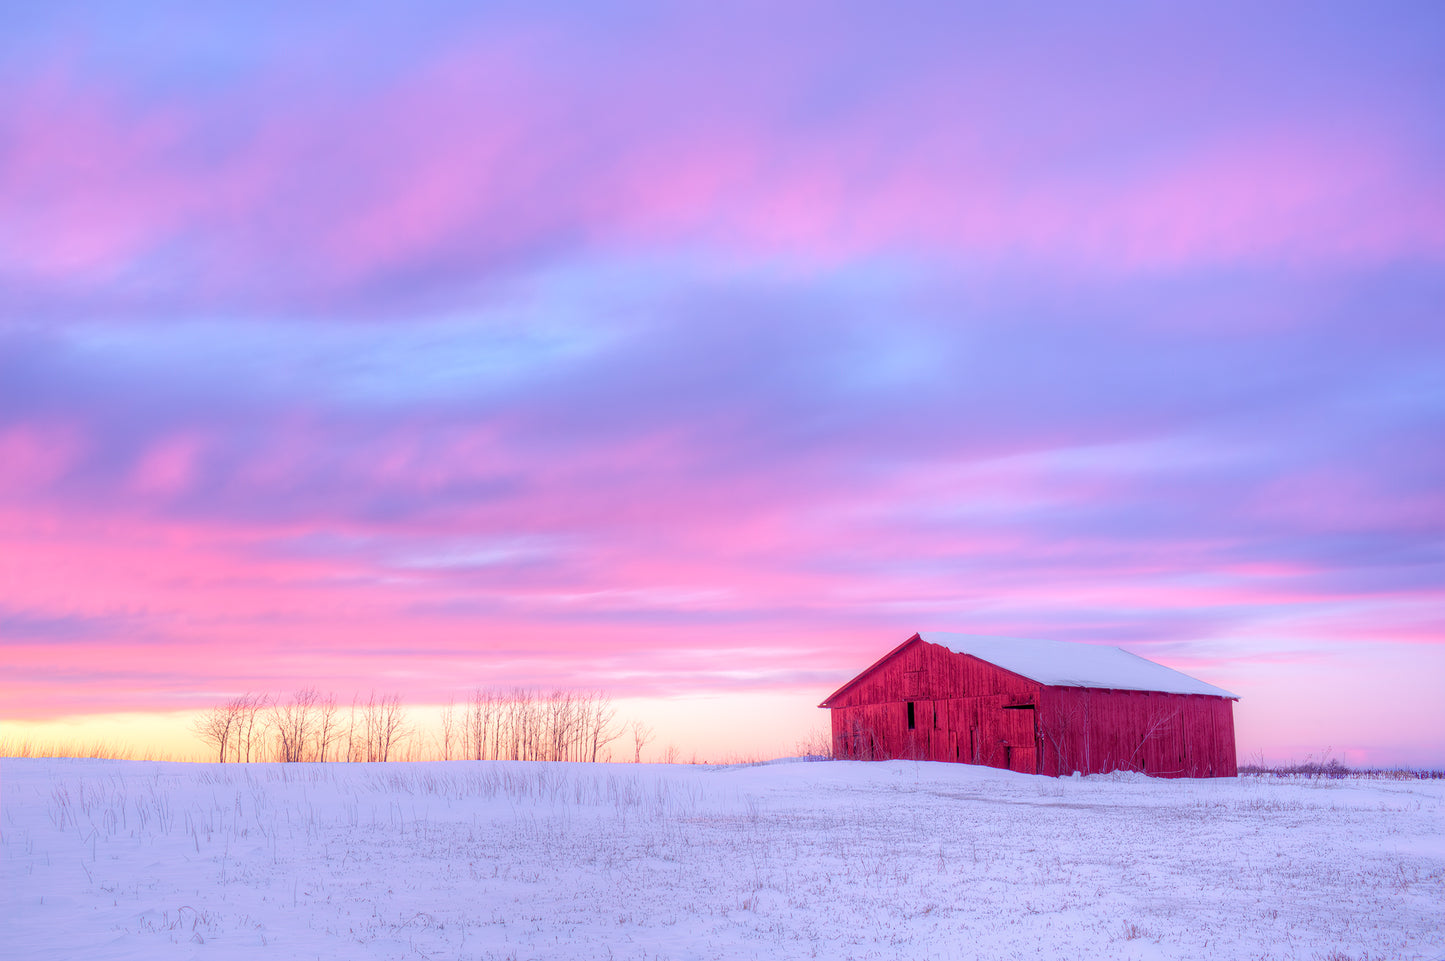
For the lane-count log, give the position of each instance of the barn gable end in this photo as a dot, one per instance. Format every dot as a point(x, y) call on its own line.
point(935, 701)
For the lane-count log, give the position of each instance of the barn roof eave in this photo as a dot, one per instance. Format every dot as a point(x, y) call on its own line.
point(828, 701)
point(1225, 696)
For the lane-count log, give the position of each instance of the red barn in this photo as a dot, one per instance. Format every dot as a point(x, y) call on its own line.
point(1040, 707)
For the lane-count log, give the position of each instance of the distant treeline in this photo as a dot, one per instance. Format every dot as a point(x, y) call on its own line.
point(307, 726)
point(1331, 768)
point(523, 725)
point(493, 724)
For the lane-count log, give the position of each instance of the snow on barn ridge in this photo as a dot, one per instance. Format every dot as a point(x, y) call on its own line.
point(1063, 664)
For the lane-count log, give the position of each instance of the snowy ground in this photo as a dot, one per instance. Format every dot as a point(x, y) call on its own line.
point(116, 859)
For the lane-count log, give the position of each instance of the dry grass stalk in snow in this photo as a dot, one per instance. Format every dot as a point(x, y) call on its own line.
point(494, 860)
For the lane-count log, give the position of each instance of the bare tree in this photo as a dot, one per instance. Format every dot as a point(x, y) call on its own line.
point(641, 737)
point(601, 720)
point(477, 726)
point(1155, 724)
point(327, 726)
point(449, 724)
point(352, 747)
point(219, 726)
point(560, 722)
point(252, 725)
point(1060, 732)
point(295, 723)
point(383, 724)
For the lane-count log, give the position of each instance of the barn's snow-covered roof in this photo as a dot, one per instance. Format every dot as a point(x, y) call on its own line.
point(1060, 664)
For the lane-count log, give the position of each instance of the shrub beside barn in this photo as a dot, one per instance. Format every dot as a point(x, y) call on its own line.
point(1039, 707)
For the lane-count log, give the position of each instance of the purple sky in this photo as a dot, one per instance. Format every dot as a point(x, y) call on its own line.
point(683, 350)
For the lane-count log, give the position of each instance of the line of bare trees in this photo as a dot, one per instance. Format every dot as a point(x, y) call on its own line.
point(518, 724)
point(307, 726)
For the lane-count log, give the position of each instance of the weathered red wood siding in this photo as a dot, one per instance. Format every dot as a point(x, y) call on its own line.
point(1166, 735)
point(969, 710)
point(961, 711)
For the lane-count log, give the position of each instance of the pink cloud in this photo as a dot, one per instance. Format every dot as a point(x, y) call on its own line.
point(36, 454)
point(169, 466)
point(497, 148)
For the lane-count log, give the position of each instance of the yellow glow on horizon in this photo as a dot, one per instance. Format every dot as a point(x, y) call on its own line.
point(161, 735)
point(715, 728)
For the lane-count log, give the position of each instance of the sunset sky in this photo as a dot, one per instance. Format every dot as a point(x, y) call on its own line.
point(702, 353)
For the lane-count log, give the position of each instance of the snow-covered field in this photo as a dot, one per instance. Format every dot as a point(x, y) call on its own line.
point(116, 859)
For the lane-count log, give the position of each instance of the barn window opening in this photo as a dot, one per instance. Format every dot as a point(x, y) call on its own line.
point(911, 722)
